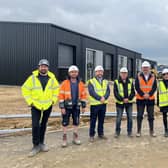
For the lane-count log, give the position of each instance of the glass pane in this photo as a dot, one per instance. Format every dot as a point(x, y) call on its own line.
point(65, 56)
point(122, 62)
point(90, 63)
point(99, 58)
point(138, 65)
point(107, 62)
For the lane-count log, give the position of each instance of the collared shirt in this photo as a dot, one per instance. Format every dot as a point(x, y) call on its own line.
point(100, 80)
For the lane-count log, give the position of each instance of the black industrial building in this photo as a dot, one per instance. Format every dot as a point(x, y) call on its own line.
point(22, 45)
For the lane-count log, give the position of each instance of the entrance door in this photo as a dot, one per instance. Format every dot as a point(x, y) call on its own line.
point(93, 58)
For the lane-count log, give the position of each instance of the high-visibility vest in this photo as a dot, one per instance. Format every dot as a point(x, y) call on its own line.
point(65, 91)
point(145, 86)
point(121, 90)
point(163, 94)
point(35, 95)
point(100, 89)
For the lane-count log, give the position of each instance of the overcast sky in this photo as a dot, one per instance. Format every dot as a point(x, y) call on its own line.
point(141, 25)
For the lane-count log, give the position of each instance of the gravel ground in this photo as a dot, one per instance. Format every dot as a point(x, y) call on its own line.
point(144, 152)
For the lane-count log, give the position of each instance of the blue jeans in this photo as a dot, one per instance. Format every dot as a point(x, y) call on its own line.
point(120, 111)
point(97, 111)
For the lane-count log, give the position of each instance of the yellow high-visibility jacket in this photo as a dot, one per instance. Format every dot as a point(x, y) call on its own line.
point(35, 95)
point(163, 94)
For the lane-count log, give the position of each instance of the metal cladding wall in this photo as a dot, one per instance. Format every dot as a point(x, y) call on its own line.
point(21, 47)
point(66, 37)
point(130, 55)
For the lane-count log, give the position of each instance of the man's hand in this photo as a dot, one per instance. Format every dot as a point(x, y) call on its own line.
point(63, 111)
point(102, 99)
point(126, 100)
point(31, 105)
point(146, 96)
point(83, 110)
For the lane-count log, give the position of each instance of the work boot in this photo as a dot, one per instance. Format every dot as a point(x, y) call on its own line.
point(64, 143)
point(91, 139)
point(130, 135)
point(166, 133)
point(103, 137)
point(152, 134)
point(75, 140)
point(35, 150)
point(117, 134)
point(139, 125)
point(43, 148)
point(138, 134)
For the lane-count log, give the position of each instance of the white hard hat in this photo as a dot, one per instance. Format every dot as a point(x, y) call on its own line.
point(73, 68)
point(124, 69)
point(43, 62)
point(146, 64)
point(165, 71)
point(99, 68)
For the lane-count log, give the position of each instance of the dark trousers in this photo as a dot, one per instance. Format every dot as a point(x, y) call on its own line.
point(39, 129)
point(97, 111)
point(165, 121)
point(140, 113)
point(120, 111)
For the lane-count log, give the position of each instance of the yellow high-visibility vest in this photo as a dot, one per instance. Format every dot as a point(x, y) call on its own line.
point(35, 95)
point(100, 89)
point(121, 90)
point(163, 94)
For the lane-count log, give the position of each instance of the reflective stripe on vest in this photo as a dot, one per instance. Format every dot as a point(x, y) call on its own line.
point(100, 89)
point(121, 90)
point(146, 87)
point(163, 94)
point(41, 103)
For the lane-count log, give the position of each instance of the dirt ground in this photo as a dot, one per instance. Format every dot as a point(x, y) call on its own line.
point(12, 102)
point(144, 152)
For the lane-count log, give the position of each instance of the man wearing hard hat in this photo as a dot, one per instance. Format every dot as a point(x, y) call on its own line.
point(124, 93)
point(163, 98)
point(72, 96)
point(145, 85)
point(40, 91)
point(99, 92)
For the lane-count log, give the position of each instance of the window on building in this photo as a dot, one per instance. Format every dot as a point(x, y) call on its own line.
point(138, 65)
point(66, 55)
point(93, 58)
point(108, 66)
point(122, 62)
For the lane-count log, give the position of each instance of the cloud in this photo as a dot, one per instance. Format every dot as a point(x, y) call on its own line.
point(141, 25)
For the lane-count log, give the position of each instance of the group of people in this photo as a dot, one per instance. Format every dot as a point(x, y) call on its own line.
point(41, 91)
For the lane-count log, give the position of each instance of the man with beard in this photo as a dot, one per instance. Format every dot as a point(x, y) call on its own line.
point(124, 93)
point(72, 96)
point(99, 92)
point(40, 91)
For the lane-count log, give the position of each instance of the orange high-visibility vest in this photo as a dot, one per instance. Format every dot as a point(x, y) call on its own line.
point(146, 87)
point(65, 91)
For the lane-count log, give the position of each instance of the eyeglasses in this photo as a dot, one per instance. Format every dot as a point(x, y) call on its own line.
point(165, 74)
